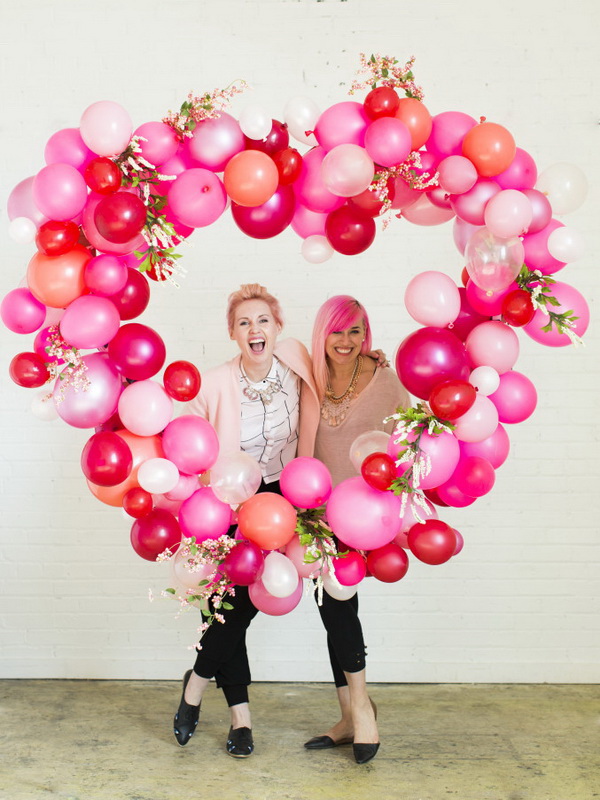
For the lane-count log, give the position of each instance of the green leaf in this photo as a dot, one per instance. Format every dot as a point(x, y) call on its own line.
point(226, 606)
point(170, 591)
point(205, 612)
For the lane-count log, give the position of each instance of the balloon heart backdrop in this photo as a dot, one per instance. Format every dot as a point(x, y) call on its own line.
point(106, 214)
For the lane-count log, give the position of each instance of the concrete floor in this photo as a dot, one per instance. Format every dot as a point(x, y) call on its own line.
point(112, 740)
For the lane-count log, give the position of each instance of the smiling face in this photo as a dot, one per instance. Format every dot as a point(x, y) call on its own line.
point(343, 347)
point(255, 331)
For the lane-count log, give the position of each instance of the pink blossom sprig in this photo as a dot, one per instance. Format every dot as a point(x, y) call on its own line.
point(386, 71)
point(539, 287)
point(199, 107)
point(73, 374)
point(408, 171)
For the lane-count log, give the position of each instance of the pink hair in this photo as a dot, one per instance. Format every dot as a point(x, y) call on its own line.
point(252, 291)
point(336, 314)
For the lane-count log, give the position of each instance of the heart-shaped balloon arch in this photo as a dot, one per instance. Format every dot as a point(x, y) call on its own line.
point(106, 214)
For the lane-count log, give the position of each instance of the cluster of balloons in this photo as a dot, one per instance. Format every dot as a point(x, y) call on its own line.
point(83, 288)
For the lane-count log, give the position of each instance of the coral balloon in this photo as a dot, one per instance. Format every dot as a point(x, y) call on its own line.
point(137, 351)
point(154, 533)
point(106, 459)
point(429, 356)
point(250, 178)
point(182, 380)
point(432, 542)
point(58, 280)
point(490, 147)
point(268, 520)
point(417, 119)
point(388, 563)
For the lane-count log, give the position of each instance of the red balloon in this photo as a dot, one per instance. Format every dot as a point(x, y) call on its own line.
point(451, 399)
point(517, 308)
point(350, 569)
point(268, 219)
point(432, 542)
point(429, 356)
point(137, 351)
point(381, 102)
point(378, 470)
point(278, 138)
point(368, 202)
point(182, 380)
point(113, 423)
point(244, 563)
point(28, 370)
point(349, 230)
point(102, 175)
point(432, 494)
point(106, 459)
point(134, 297)
point(56, 238)
point(289, 165)
point(137, 502)
point(153, 534)
point(119, 217)
point(474, 476)
point(388, 563)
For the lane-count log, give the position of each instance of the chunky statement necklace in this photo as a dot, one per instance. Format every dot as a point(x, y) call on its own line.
point(254, 392)
point(335, 407)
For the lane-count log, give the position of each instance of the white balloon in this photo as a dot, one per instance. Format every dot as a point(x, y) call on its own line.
point(280, 576)
point(316, 249)
point(565, 186)
point(336, 590)
point(43, 408)
point(485, 379)
point(255, 122)
point(158, 475)
point(347, 170)
point(187, 573)
point(22, 230)
point(365, 444)
point(566, 244)
point(301, 115)
point(234, 478)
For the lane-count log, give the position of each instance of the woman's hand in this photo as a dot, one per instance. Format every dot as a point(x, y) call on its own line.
point(380, 357)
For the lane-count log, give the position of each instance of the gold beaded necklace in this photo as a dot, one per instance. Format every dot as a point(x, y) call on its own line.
point(335, 407)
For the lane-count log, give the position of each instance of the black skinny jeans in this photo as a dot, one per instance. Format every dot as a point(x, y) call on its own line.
point(344, 636)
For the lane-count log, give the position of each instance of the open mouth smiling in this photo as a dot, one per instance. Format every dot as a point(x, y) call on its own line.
point(257, 345)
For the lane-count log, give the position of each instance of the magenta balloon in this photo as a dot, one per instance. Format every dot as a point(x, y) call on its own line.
point(310, 188)
point(160, 143)
point(537, 255)
point(362, 517)
point(106, 459)
point(493, 344)
point(21, 312)
point(67, 147)
point(98, 241)
point(484, 302)
point(515, 398)
point(89, 322)
point(349, 230)
point(105, 275)
point(447, 132)
point(429, 356)
point(268, 219)
point(342, 123)
point(305, 482)
point(59, 191)
point(215, 141)
point(467, 318)
point(388, 141)
point(274, 606)
point(450, 494)
point(495, 448)
point(244, 563)
point(351, 569)
point(153, 534)
point(541, 210)
point(479, 422)
point(197, 197)
point(569, 299)
point(470, 205)
point(94, 405)
point(521, 174)
point(137, 351)
point(474, 476)
point(191, 443)
point(204, 516)
point(308, 223)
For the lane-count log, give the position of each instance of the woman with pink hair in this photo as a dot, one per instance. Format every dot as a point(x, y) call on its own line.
point(355, 397)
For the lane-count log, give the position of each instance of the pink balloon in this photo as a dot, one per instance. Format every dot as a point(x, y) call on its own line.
point(295, 552)
point(515, 398)
point(98, 241)
point(541, 210)
point(450, 494)
point(485, 302)
point(21, 203)
point(470, 206)
point(67, 147)
point(145, 408)
point(90, 407)
point(432, 298)
point(106, 128)
point(305, 482)
point(89, 322)
point(105, 275)
point(408, 519)
point(215, 141)
point(350, 569)
point(342, 123)
point(137, 351)
point(474, 476)
point(404, 195)
point(274, 606)
point(429, 356)
point(308, 223)
point(310, 188)
point(462, 232)
point(521, 174)
point(197, 197)
point(191, 443)
point(244, 564)
point(457, 174)
point(493, 344)
point(479, 422)
point(268, 219)
point(388, 141)
point(569, 299)
point(204, 516)
point(494, 448)
point(508, 213)
point(41, 342)
point(21, 312)
point(447, 132)
point(424, 212)
point(467, 318)
point(59, 191)
point(186, 486)
point(362, 517)
point(347, 170)
point(443, 451)
point(161, 142)
point(493, 262)
point(439, 198)
point(537, 255)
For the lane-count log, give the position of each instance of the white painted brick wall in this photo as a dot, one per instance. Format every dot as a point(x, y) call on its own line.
point(521, 602)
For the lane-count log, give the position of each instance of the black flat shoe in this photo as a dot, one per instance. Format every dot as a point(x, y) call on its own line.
point(324, 742)
point(364, 752)
point(240, 743)
point(186, 718)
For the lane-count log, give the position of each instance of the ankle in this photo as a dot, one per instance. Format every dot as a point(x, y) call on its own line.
point(240, 716)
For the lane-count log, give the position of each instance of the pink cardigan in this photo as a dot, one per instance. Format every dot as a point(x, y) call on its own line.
point(219, 399)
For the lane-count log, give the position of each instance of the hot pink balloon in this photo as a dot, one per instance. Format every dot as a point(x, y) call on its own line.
point(432, 298)
point(106, 128)
point(21, 312)
point(90, 407)
point(342, 123)
point(105, 275)
point(274, 606)
point(59, 191)
point(191, 443)
point(457, 174)
point(493, 344)
point(160, 143)
point(515, 398)
point(310, 188)
point(204, 516)
point(569, 299)
point(89, 322)
point(306, 482)
point(479, 422)
point(467, 318)
point(215, 141)
point(474, 476)
point(388, 141)
point(537, 255)
point(447, 132)
point(67, 147)
point(443, 451)
point(362, 517)
point(350, 569)
point(486, 302)
point(508, 213)
point(521, 174)
point(268, 219)
point(495, 448)
point(429, 356)
point(197, 198)
point(450, 494)
point(470, 205)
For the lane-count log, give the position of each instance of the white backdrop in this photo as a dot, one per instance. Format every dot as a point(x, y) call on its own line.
point(521, 602)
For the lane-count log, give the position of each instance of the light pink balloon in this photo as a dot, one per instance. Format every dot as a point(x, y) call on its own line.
point(540, 208)
point(388, 141)
point(106, 128)
point(98, 241)
point(274, 606)
point(493, 262)
point(21, 203)
point(191, 443)
point(279, 576)
point(197, 198)
point(493, 344)
point(362, 517)
point(305, 482)
point(423, 212)
point(161, 142)
point(470, 205)
point(59, 191)
point(89, 322)
point(479, 422)
point(21, 312)
point(215, 141)
point(186, 486)
point(342, 123)
point(569, 299)
point(308, 223)
point(462, 232)
point(347, 170)
point(432, 298)
point(457, 174)
point(515, 398)
point(448, 129)
point(90, 407)
point(521, 174)
point(67, 147)
point(443, 451)
point(145, 408)
point(105, 275)
point(537, 255)
point(310, 188)
point(295, 552)
point(508, 213)
point(204, 516)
